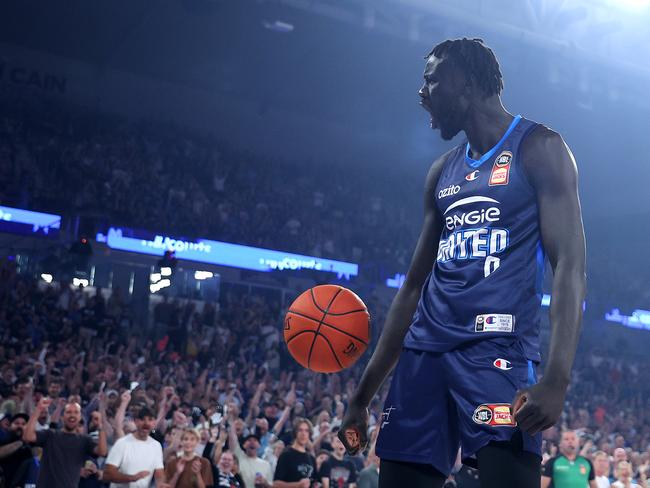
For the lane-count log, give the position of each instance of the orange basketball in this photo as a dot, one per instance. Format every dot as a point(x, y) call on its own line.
point(327, 328)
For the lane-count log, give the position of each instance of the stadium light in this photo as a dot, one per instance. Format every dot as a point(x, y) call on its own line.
point(155, 277)
point(635, 5)
point(203, 275)
point(155, 287)
point(47, 278)
point(80, 282)
point(165, 271)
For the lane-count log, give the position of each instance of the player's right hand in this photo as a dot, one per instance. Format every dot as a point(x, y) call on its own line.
point(354, 429)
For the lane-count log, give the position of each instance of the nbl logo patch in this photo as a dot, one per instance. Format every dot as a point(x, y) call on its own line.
point(500, 174)
point(494, 415)
point(483, 414)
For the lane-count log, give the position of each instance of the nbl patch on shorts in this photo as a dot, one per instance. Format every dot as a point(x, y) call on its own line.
point(494, 322)
point(500, 174)
point(494, 415)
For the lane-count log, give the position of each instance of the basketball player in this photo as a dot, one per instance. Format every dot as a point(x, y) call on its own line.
point(465, 324)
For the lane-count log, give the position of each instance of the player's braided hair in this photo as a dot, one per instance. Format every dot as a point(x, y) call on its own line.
point(475, 59)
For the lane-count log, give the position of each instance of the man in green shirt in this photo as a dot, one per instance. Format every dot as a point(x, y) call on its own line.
point(568, 470)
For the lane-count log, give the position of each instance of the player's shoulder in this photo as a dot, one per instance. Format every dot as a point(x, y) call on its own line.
point(546, 159)
point(438, 165)
point(540, 141)
point(453, 152)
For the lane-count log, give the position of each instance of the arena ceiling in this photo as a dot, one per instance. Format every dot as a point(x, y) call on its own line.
point(218, 43)
point(358, 63)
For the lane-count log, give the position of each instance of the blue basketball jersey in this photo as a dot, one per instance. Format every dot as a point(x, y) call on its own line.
point(486, 281)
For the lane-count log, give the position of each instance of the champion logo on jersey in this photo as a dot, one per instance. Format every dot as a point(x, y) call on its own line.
point(472, 176)
point(502, 364)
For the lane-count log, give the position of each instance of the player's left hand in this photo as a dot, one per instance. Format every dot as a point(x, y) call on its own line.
point(538, 407)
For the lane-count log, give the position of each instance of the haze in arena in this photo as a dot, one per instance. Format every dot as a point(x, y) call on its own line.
point(324, 244)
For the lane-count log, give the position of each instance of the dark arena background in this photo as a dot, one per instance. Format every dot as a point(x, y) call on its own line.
point(173, 174)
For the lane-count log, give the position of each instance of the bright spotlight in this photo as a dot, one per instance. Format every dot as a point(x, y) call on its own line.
point(80, 282)
point(154, 277)
point(154, 287)
point(165, 271)
point(47, 278)
point(203, 275)
point(632, 4)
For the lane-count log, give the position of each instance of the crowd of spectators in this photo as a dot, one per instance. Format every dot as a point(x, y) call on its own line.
point(87, 397)
point(208, 396)
point(74, 161)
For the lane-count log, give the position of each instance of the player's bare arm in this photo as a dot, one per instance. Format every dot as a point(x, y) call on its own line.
point(399, 315)
point(552, 171)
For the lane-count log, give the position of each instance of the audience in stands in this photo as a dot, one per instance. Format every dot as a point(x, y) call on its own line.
point(73, 161)
point(210, 397)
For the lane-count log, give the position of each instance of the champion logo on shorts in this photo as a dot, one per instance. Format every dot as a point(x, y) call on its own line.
point(494, 415)
point(503, 364)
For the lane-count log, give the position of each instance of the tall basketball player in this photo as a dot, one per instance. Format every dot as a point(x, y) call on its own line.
point(464, 327)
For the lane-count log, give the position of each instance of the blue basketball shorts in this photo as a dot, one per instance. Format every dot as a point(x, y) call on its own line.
point(439, 402)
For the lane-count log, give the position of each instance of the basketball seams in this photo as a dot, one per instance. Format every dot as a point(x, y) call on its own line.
point(311, 349)
point(334, 314)
point(299, 333)
point(313, 299)
point(342, 331)
point(331, 348)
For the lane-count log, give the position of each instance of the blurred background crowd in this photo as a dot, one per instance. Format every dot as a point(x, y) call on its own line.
point(220, 386)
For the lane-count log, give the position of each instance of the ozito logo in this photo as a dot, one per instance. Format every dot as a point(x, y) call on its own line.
point(449, 191)
point(351, 350)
